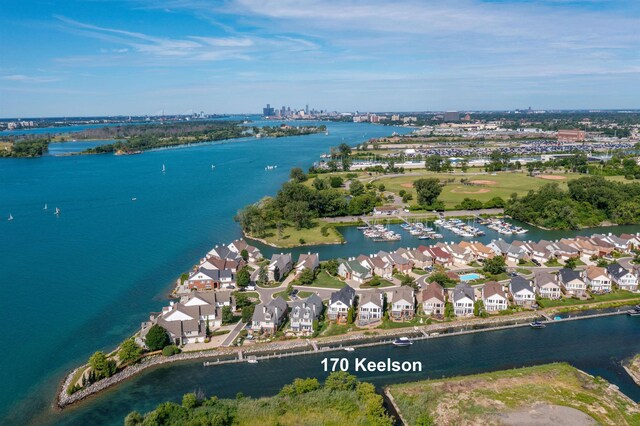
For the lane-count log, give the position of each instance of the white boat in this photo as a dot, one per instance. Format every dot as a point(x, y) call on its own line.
point(402, 341)
point(213, 167)
point(45, 207)
point(349, 349)
point(134, 199)
point(10, 217)
point(163, 169)
point(57, 212)
point(252, 360)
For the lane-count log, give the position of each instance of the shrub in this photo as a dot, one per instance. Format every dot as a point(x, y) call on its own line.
point(170, 350)
point(157, 338)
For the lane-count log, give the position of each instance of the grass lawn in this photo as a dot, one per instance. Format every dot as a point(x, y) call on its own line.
point(383, 283)
point(337, 329)
point(304, 294)
point(419, 271)
point(292, 237)
point(478, 399)
point(523, 271)
point(284, 294)
point(609, 297)
point(388, 324)
point(454, 192)
point(323, 279)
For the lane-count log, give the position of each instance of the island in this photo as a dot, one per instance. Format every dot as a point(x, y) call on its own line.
point(545, 394)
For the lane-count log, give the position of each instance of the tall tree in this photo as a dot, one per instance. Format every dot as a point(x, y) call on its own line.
point(428, 190)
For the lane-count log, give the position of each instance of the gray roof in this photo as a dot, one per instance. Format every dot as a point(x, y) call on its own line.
point(344, 295)
point(276, 307)
point(312, 305)
point(463, 290)
point(371, 296)
point(617, 271)
point(281, 261)
point(566, 275)
point(544, 277)
point(519, 283)
point(215, 274)
point(403, 293)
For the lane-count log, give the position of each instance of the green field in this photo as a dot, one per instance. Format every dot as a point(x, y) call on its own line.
point(501, 184)
point(485, 398)
point(292, 237)
point(609, 297)
point(327, 281)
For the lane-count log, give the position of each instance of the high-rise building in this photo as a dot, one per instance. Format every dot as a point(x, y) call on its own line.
point(268, 111)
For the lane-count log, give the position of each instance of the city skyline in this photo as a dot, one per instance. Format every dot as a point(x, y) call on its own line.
point(140, 57)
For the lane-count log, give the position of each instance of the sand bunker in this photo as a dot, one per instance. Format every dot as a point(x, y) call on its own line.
point(483, 182)
point(461, 190)
point(406, 185)
point(552, 177)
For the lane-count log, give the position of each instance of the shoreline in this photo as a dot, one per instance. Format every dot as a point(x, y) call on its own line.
point(288, 348)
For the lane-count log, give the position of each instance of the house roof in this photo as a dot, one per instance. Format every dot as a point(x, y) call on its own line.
point(544, 277)
point(463, 290)
point(492, 288)
point(308, 261)
point(617, 271)
point(280, 260)
point(276, 307)
point(568, 275)
point(519, 283)
point(344, 295)
point(594, 272)
point(403, 293)
point(374, 297)
point(311, 305)
point(433, 290)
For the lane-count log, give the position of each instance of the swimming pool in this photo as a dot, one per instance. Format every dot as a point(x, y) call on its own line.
point(470, 277)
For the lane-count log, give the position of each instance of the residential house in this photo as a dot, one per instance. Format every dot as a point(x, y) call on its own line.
point(400, 263)
point(267, 317)
point(463, 297)
point(238, 245)
point(633, 240)
point(223, 252)
point(522, 291)
point(597, 279)
point(340, 302)
point(493, 297)
point(540, 253)
point(307, 261)
point(459, 255)
point(572, 282)
point(547, 285)
point(510, 252)
point(304, 313)
point(583, 246)
point(210, 279)
point(433, 299)
point(279, 266)
point(370, 307)
point(216, 263)
point(403, 305)
point(419, 259)
point(478, 250)
point(377, 265)
point(438, 255)
point(353, 270)
point(624, 278)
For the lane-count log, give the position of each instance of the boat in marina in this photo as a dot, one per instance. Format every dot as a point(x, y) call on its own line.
point(57, 212)
point(402, 341)
point(45, 207)
point(635, 311)
point(349, 349)
point(10, 217)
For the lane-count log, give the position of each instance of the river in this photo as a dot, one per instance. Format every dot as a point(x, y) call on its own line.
point(86, 279)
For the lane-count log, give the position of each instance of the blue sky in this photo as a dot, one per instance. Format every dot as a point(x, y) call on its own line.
point(98, 57)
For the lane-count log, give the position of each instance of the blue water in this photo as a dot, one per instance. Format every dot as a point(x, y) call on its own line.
point(86, 279)
point(470, 277)
point(61, 148)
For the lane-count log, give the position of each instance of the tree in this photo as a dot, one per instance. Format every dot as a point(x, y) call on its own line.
point(263, 277)
point(227, 315)
point(331, 266)
point(243, 278)
point(306, 276)
point(428, 190)
point(495, 265)
point(129, 351)
point(133, 419)
point(244, 254)
point(441, 278)
point(336, 181)
point(434, 163)
point(320, 184)
point(341, 381)
point(344, 149)
point(449, 312)
point(297, 174)
point(571, 263)
point(156, 338)
point(102, 366)
point(375, 281)
point(247, 312)
point(356, 188)
point(351, 314)
point(381, 187)
point(190, 400)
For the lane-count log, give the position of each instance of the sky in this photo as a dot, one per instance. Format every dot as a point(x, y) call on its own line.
point(145, 57)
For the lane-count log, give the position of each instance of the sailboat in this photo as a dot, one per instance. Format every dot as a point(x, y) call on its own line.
point(57, 212)
point(45, 206)
point(213, 167)
point(163, 169)
point(10, 217)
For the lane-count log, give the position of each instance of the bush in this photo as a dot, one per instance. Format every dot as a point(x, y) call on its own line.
point(157, 338)
point(129, 351)
point(170, 350)
point(102, 366)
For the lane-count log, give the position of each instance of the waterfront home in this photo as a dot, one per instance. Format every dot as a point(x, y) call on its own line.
point(478, 250)
point(547, 285)
point(584, 247)
point(279, 266)
point(353, 270)
point(459, 255)
point(309, 261)
point(439, 256)
point(597, 279)
point(522, 291)
point(463, 297)
point(618, 243)
point(540, 253)
point(254, 253)
point(509, 251)
point(210, 279)
point(633, 240)
point(572, 282)
point(493, 297)
point(186, 321)
point(267, 317)
point(376, 265)
point(403, 305)
point(223, 252)
point(419, 259)
point(562, 251)
point(624, 278)
point(216, 263)
point(304, 313)
point(370, 307)
point(386, 210)
point(400, 263)
point(433, 299)
point(340, 302)
point(604, 248)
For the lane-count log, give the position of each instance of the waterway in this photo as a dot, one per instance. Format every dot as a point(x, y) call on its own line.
point(594, 345)
point(86, 279)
